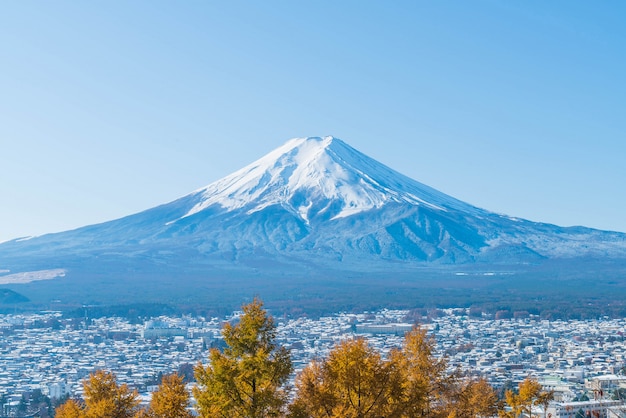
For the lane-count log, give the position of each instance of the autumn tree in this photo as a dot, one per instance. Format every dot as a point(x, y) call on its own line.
point(530, 394)
point(69, 409)
point(474, 399)
point(544, 399)
point(426, 382)
point(353, 382)
point(104, 398)
point(431, 390)
point(247, 379)
point(170, 400)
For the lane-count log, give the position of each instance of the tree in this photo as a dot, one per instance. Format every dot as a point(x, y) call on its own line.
point(354, 382)
point(185, 370)
point(69, 409)
point(475, 398)
point(23, 405)
point(105, 399)
point(425, 379)
point(619, 394)
point(247, 379)
point(544, 399)
point(529, 395)
point(170, 400)
point(39, 402)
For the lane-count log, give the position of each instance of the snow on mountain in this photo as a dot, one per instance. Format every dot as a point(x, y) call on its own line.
point(305, 171)
point(312, 220)
point(318, 198)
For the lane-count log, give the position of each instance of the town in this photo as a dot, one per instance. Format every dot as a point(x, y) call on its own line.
point(48, 355)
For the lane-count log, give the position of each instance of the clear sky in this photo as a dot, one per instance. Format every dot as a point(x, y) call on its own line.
point(112, 107)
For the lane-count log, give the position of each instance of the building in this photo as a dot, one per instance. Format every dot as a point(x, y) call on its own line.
point(593, 409)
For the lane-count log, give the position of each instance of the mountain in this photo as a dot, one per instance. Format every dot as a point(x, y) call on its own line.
point(313, 211)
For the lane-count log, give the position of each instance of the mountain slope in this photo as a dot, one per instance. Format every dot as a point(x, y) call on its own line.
point(313, 205)
point(317, 193)
point(320, 177)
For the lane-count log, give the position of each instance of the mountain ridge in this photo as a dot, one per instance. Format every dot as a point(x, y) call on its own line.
point(321, 180)
point(314, 207)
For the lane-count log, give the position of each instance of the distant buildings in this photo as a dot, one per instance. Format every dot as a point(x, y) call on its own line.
point(382, 329)
point(592, 408)
point(158, 329)
point(582, 361)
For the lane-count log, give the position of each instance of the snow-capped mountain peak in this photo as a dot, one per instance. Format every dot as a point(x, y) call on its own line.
point(312, 217)
point(318, 175)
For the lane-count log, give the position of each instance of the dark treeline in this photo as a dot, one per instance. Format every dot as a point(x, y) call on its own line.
point(543, 308)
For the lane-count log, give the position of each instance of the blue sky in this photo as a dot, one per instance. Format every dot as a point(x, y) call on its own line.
point(109, 108)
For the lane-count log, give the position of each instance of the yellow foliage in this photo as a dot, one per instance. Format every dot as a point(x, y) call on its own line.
point(170, 400)
point(247, 379)
point(529, 395)
point(105, 399)
point(69, 409)
point(354, 382)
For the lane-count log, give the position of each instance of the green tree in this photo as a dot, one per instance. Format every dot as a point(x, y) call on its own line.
point(619, 394)
point(247, 379)
point(23, 405)
point(353, 382)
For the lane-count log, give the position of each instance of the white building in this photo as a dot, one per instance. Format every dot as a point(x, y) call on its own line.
point(592, 409)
